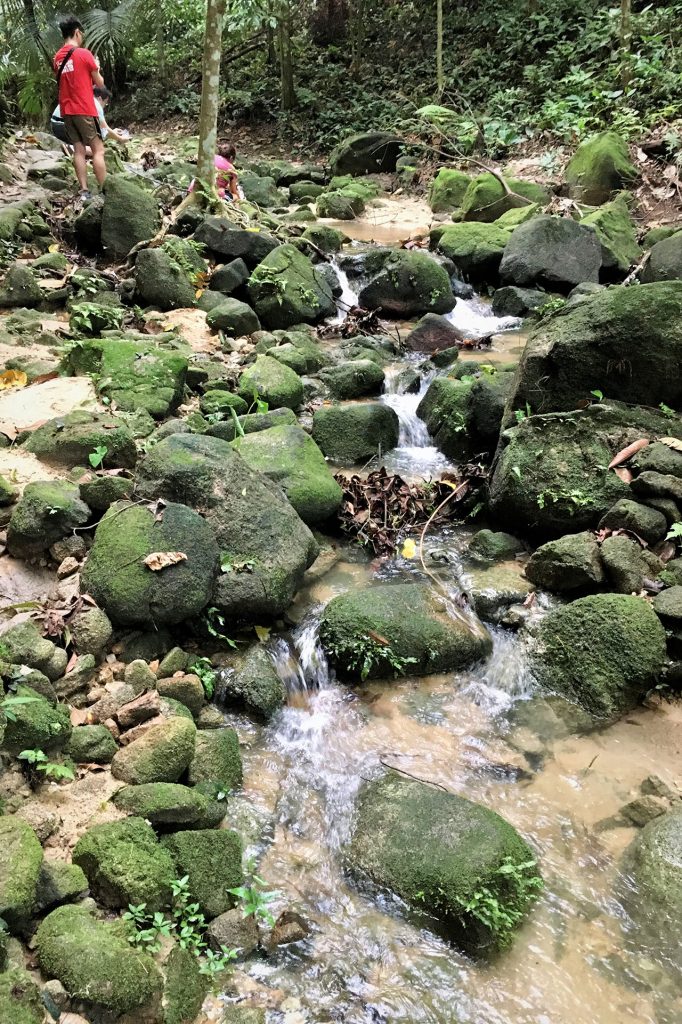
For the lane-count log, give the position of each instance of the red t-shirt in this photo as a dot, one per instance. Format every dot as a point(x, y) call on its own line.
point(75, 85)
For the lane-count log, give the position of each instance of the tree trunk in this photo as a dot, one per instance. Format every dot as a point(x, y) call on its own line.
point(440, 77)
point(210, 92)
point(357, 34)
point(285, 58)
point(625, 42)
point(160, 43)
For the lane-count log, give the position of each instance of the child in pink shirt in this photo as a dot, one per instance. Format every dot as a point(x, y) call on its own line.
point(226, 178)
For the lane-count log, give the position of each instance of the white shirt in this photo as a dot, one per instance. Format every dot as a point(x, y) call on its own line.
point(57, 114)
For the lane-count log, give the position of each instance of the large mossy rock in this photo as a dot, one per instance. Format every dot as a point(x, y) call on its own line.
point(161, 754)
point(233, 317)
point(349, 434)
point(476, 249)
point(213, 861)
point(552, 251)
point(160, 282)
point(340, 205)
point(20, 1000)
point(260, 190)
point(21, 856)
point(600, 166)
point(134, 375)
point(69, 440)
point(36, 725)
point(570, 563)
point(409, 284)
point(124, 864)
point(355, 378)
point(366, 153)
point(441, 854)
point(252, 682)
point(216, 759)
point(602, 652)
point(485, 198)
point(464, 416)
point(551, 473)
point(625, 342)
point(290, 457)
point(653, 865)
point(254, 525)
point(273, 382)
point(448, 189)
point(285, 289)
point(665, 261)
point(222, 238)
point(96, 963)
point(165, 805)
point(131, 592)
point(20, 288)
point(130, 215)
point(618, 236)
point(47, 511)
point(420, 629)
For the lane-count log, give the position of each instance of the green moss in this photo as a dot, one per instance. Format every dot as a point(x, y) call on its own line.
point(448, 189)
point(485, 198)
point(475, 248)
point(285, 289)
point(213, 861)
point(291, 458)
point(445, 410)
point(130, 215)
point(39, 725)
point(445, 855)
point(124, 864)
point(617, 234)
point(59, 883)
point(95, 962)
point(340, 205)
point(408, 284)
point(216, 758)
point(92, 743)
point(222, 401)
point(21, 856)
point(254, 683)
point(101, 492)
point(184, 989)
point(163, 804)
point(600, 166)
point(325, 238)
point(602, 652)
point(233, 317)
point(47, 511)
point(519, 215)
point(160, 755)
point(273, 382)
point(20, 1001)
point(68, 440)
point(353, 433)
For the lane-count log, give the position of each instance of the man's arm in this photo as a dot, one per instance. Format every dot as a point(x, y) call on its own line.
point(97, 79)
point(113, 133)
point(91, 61)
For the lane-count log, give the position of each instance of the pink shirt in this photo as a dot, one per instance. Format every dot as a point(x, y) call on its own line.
point(222, 181)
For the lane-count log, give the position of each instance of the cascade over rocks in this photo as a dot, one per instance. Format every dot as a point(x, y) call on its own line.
point(252, 522)
point(555, 252)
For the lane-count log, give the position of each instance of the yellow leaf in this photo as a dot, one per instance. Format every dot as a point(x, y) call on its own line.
point(262, 632)
point(13, 379)
point(672, 442)
point(198, 293)
point(54, 247)
point(162, 559)
point(409, 549)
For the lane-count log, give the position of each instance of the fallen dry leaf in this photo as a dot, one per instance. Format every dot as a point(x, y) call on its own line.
point(626, 453)
point(12, 379)
point(162, 559)
point(623, 474)
point(672, 442)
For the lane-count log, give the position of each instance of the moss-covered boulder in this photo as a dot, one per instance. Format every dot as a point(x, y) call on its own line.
point(290, 457)
point(233, 317)
point(513, 301)
point(493, 546)
point(130, 215)
point(92, 743)
point(260, 190)
point(37, 725)
point(187, 689)
point(160, 282)
point(625, 565)
point(165, 805)
point(132, 374)
point(355, 378)
point(134, 592)
point(227, 277)
point(366, 153)
point(20, 288)
point(448, 189)
point(161, 754)
point(422, 633)
point(185, 987)
point(96, 963)
point(648, 523)
point(304, 191)
point(25, 645)
point(213, 862)
point(340, 205)
point(476, 249)
point(100, 492)
point(555, 252)
point(59, 883)
point(20, 999)
point(618, 236)
point(69, 440)
point(570, 563)
point(602, 652)
point(552, 475)
point(625, 342)
point(408, 284)
point(285, 289)
point(216, 758)
point(600, 166)
point(464, 416)
point(222, 238)
point(271, 381)
point(665, 261)
point(326, 238)
point(256, 529)
point(350, 434)
point(215, 400)
point(446, 856)
point(47, 511)
point(21, 856)
point(252, 682)
point(486, 199)
point(124, 863)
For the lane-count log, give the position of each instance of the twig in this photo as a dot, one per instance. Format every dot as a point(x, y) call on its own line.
point(401, 771)
point(634, 274)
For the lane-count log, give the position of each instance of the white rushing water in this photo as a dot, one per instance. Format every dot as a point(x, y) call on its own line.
point(475, 319)
point(416, 455)
point(348, 297)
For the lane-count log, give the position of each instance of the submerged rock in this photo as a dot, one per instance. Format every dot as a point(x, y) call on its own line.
point(353, 433)
point(602, 652)
point(418, 633)
point(445, 855)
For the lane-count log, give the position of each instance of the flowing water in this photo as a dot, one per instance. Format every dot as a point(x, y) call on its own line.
point(484, 734)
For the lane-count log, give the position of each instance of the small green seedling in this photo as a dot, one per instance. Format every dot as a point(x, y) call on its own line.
point(97, 456)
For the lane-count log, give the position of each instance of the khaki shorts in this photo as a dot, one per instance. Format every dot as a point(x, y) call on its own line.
point(80, 128)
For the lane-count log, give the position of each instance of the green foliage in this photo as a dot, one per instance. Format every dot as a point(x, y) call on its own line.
point(97, 456)
point(675, 532)
point(91, 318)
point(254, 897)
point(38, 761)
point(549, 308)
point(573, 499)
point(202, 668)
point(7, 704)
point(182, 921)
point(362, 654)
point(214, 623)
point(502, 917)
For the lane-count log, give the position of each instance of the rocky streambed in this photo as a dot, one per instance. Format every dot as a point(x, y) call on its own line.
point(285, 738)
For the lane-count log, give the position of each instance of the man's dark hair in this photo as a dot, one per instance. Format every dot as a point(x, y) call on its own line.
point(69, 25)
point(102, 93)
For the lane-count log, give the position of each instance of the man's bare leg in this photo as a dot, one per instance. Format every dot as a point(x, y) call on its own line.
point(98, 164)
point(80, 165)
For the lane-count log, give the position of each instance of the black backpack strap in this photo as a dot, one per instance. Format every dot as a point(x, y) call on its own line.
point(63, 63)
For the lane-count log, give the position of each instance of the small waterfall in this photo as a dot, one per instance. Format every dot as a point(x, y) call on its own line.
point(474, 318)
point(415, 455)
point(300, 661)
point(348, 297)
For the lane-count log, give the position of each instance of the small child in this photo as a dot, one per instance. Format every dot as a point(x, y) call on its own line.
point(226, 177)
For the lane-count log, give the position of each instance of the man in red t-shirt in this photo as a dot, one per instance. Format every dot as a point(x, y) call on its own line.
point(78, 72)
